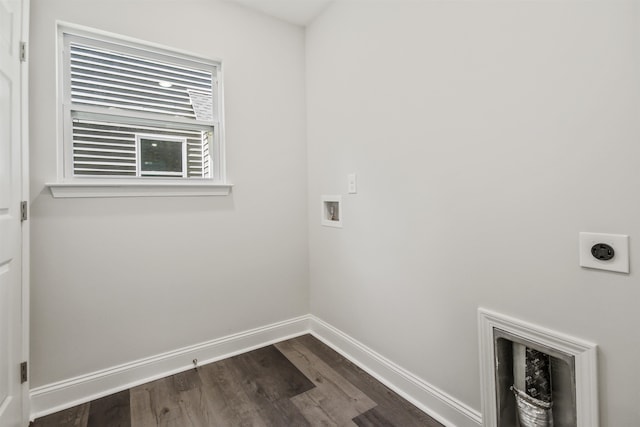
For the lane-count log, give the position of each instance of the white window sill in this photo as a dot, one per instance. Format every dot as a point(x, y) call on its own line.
point(133, 189)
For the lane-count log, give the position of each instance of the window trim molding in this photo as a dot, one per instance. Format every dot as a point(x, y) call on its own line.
point(69, 186)
point(157, 188)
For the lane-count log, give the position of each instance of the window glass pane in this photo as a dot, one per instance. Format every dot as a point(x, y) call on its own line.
point(161, 157)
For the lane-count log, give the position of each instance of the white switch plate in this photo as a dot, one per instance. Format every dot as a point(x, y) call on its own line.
point(620, 245)
point(353, 184)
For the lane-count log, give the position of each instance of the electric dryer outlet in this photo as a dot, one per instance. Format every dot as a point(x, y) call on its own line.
point(605, 251)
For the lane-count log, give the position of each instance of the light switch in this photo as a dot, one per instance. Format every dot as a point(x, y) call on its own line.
point(605, 251)
point(353, 186)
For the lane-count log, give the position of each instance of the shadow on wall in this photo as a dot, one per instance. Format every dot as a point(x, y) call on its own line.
point(119, 206)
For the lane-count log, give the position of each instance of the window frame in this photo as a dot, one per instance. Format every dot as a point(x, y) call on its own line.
point(139, 160)
point(70, 185)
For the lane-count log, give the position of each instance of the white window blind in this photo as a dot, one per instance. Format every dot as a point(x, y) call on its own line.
point(103, 148)
point(117, 95)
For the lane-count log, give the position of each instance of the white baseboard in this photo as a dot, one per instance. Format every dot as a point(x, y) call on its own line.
point(435, 402)
point(65, 394)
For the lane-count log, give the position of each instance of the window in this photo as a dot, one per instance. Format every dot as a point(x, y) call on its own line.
point(159, 156)
point(138, 114)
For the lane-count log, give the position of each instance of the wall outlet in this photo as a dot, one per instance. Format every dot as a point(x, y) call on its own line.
point(619, 243)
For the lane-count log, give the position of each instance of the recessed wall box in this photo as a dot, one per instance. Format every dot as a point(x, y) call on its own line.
point(331, 211)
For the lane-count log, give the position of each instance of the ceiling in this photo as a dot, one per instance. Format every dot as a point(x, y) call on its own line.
point(299, 12)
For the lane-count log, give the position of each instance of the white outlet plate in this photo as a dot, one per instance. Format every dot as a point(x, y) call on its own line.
point(619, 243)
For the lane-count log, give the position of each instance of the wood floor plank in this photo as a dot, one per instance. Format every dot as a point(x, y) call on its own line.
point(256, 388)
point(372, 418)
point(395, 409)
point(196, 408)
point(186, 380)
point(316, 413)
point(282, 412)
point(230, 403)
point(111, 411)
point(178, 400)
point(142, 413)
point(78, 416)
point(161, 399)
point(269, 379)
point(340, 400)
point(268, 372)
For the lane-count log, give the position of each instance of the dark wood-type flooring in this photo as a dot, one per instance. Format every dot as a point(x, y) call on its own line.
point(299, 382)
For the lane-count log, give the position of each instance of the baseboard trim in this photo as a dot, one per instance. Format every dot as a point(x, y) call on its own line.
point(65, 394)
point(435, 402)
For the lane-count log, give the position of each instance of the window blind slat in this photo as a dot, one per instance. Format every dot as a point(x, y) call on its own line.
point(149, 90)
point(142, 86)
point(104, 135)
point(139, 73)
point(116, 128)
point(96, 162)
point(129, 101)
point(103, 160)
point(133, 78)
point(141, 62)
point(104, 172)
point(80, 144)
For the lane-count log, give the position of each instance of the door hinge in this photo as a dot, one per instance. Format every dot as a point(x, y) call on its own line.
point(23, 51)
point(24, 211)
point(24, 373)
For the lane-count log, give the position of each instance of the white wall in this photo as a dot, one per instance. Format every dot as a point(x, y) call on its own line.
point(115, 280)
point(485, 136)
